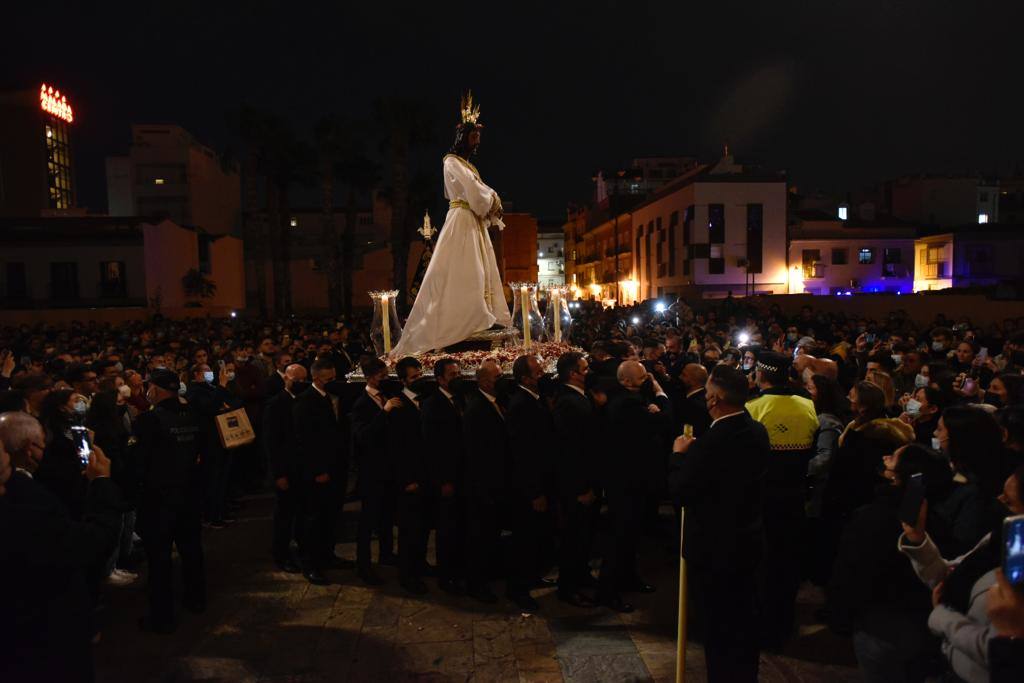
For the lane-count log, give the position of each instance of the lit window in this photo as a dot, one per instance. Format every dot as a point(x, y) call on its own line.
point(982, 218)
point(158, 181)
point(843, 213)
point(866, 256)
point(294, 222)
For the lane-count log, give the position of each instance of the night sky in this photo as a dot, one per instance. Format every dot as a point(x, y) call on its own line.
point(839, 93)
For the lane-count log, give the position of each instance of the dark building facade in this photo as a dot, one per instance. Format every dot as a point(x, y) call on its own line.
point(36, 157)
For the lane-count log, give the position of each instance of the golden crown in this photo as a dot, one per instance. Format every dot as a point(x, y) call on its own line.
point(470, 113)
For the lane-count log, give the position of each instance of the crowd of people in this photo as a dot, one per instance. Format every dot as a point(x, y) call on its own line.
point(785, 444)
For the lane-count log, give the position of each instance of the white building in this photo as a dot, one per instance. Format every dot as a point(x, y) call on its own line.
point(719, 228)
point(550, 259)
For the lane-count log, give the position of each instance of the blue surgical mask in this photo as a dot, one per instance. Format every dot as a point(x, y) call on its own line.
point(938, 346)
point(208, 377)
point(182, 389)
point(897, 358)
point(80, 408)
point(936, 444)
point(920, 381)
point(913, 407)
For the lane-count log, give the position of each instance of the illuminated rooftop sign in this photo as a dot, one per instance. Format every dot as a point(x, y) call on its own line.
point(52, 102)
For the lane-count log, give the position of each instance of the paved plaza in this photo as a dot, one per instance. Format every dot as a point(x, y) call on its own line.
point(269, 627)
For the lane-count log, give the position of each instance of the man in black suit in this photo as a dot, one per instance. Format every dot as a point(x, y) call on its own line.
point(576, 473)
point(445, 462)
point(276, 381)
point(322, 468)
point(208, 397)
point(405, 449)
point(280, 445)
point(45, 615)
point(486, 442)
point(719, 478)
point(531, 442)
point(377, 475)
point(637, 424)
point(690, 408)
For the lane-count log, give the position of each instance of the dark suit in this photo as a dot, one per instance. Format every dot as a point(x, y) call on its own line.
point(405, 449)
point(636, 457)
point(376, 478)
point(693, 410)
point(720, 481)
point(46, 612)
point(275, 385)
point(207, 402)
point(280, 444)
point(531, 449)
point(444, 451)
point(319, 436)
point(486, 451)
point(576, 472)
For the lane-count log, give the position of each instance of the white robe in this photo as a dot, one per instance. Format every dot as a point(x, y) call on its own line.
point(462, 292)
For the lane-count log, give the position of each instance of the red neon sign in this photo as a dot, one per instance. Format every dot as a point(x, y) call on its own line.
point(52, 102)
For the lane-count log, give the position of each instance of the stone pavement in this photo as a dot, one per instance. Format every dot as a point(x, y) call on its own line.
point(269, 627)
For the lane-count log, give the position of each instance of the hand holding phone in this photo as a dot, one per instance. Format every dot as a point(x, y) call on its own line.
point(83, 445)
point(911, 505)
point(1013, 551)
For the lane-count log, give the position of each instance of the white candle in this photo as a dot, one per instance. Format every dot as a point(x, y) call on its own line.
point(385, 322)
point(557, 312)
point(525, 306)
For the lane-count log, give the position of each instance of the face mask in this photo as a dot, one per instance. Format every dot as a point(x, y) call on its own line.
point(119, 367)
point(124, 391)
point(913, 408)
point(791, 336)
point(241, 359)
point(334, 387)
point(938, 346)
point(231, 376)
point(80, 408)
point(208, 377)
point(993, 400)
point(920, 381)
point(897, 358)
point(421, 385)
point(299, 387)
point(748, 366)
point(936, 444)
point(182, 389)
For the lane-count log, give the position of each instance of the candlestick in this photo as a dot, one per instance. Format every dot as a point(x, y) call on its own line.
point(385, 321)
point(525, 306)
point(556, 305)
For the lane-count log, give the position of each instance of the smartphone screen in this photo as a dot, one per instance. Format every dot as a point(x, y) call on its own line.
point(80, 435)
point(1013, 550)
point(913, 497)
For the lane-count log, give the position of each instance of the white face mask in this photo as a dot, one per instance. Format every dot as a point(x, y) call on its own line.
point(208, 376)
point(897, 359)
point(182, 389)
point(124, 391)
point(913, 407)
point(936, 444)
point(920, 381)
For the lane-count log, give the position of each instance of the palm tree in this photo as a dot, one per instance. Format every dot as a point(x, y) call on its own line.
point(250, 124)
point(360, 176)
point(329, 133)
point(404, 126)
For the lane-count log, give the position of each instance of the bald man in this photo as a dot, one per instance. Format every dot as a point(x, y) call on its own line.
point(691, 408)
point(639, 421)
point(279, 443)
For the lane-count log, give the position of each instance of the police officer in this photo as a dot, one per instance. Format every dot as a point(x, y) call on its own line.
point(168, 455)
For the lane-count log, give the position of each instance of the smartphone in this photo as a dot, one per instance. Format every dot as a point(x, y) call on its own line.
point(970, 384)
point(913, 497)
point(870, 337)
point(1013, 550)
point(982, 354)
point(80, 435)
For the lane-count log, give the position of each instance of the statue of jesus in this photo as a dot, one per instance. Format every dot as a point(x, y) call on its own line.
point(462, 292)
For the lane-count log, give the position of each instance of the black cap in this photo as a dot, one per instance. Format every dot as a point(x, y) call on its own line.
point(774, 362)
point(165, 379)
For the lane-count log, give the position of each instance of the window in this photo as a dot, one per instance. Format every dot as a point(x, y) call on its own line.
point(843, 213)
point(647, 259)
point(205, 267)
point(688, 224)
point(840, 257)
point(982, 218)
point(112, 279)
point(979, 259)
point(866, 256)
point(64, 280)
point(716, 223)
point(716, 266)
point(755, 238)
point(17, 283)
point(158, 181)
point(58, 164)
point(811, 261)
point(892, 260)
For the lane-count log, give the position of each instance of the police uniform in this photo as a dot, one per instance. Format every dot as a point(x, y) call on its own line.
point(169, 514)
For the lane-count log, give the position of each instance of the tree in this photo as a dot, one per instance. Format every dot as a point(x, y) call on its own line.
point(405, 125)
